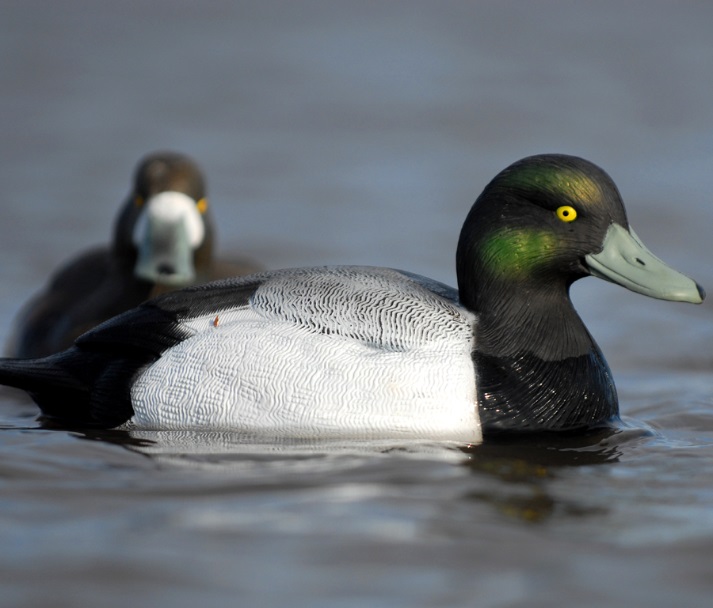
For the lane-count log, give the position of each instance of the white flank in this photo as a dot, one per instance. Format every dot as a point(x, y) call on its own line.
point(332, 352)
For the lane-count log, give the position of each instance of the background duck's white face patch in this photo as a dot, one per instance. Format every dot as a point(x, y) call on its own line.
point(172, 208)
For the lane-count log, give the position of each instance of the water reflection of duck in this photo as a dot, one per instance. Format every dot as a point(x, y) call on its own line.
point(163, 240)
point(380, 352)
point(518, 457)
point(523, 470)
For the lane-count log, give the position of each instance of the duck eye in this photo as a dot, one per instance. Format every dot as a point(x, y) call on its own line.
point(202, 205)
point(138, 201)
point(567, 213)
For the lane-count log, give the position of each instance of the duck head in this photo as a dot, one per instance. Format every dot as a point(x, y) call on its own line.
point(548, 220)
point(165, 230)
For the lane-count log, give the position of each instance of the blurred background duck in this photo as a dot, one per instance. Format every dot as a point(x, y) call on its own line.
point(163, 240)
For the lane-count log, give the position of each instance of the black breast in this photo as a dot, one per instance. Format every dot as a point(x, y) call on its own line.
point(524, 393)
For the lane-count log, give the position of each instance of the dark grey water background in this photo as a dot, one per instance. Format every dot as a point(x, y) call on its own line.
point(361, 132)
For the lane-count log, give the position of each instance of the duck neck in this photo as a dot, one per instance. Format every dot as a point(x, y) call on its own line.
point(538, 368)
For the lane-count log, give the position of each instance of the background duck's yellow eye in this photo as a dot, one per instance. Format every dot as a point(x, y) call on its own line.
point(138, 201)
point(567, 213)
point(202, 205)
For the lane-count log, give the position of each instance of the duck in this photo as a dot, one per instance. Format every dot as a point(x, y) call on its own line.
point(163, 240)
point(370, 352)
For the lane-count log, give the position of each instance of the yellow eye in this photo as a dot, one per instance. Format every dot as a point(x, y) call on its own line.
point(202, 205)
point(567, 213)
point(138, 201)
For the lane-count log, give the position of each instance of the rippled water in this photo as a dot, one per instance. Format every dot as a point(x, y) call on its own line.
point(335, 132)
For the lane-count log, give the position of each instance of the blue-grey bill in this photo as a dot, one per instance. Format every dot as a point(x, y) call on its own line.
point(626, 261)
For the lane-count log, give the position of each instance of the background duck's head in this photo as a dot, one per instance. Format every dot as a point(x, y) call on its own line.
point(548, 220)
point(164, 229)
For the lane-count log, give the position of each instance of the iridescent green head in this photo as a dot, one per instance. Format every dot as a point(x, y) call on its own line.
point(556, 181)
point(537, 220)
point(546, 221)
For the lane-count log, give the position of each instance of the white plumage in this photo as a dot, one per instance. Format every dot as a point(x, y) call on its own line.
point(322, 352)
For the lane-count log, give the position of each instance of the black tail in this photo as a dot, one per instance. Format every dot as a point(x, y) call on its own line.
point(57, 392)
point(33, 375)
point(90, 383)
